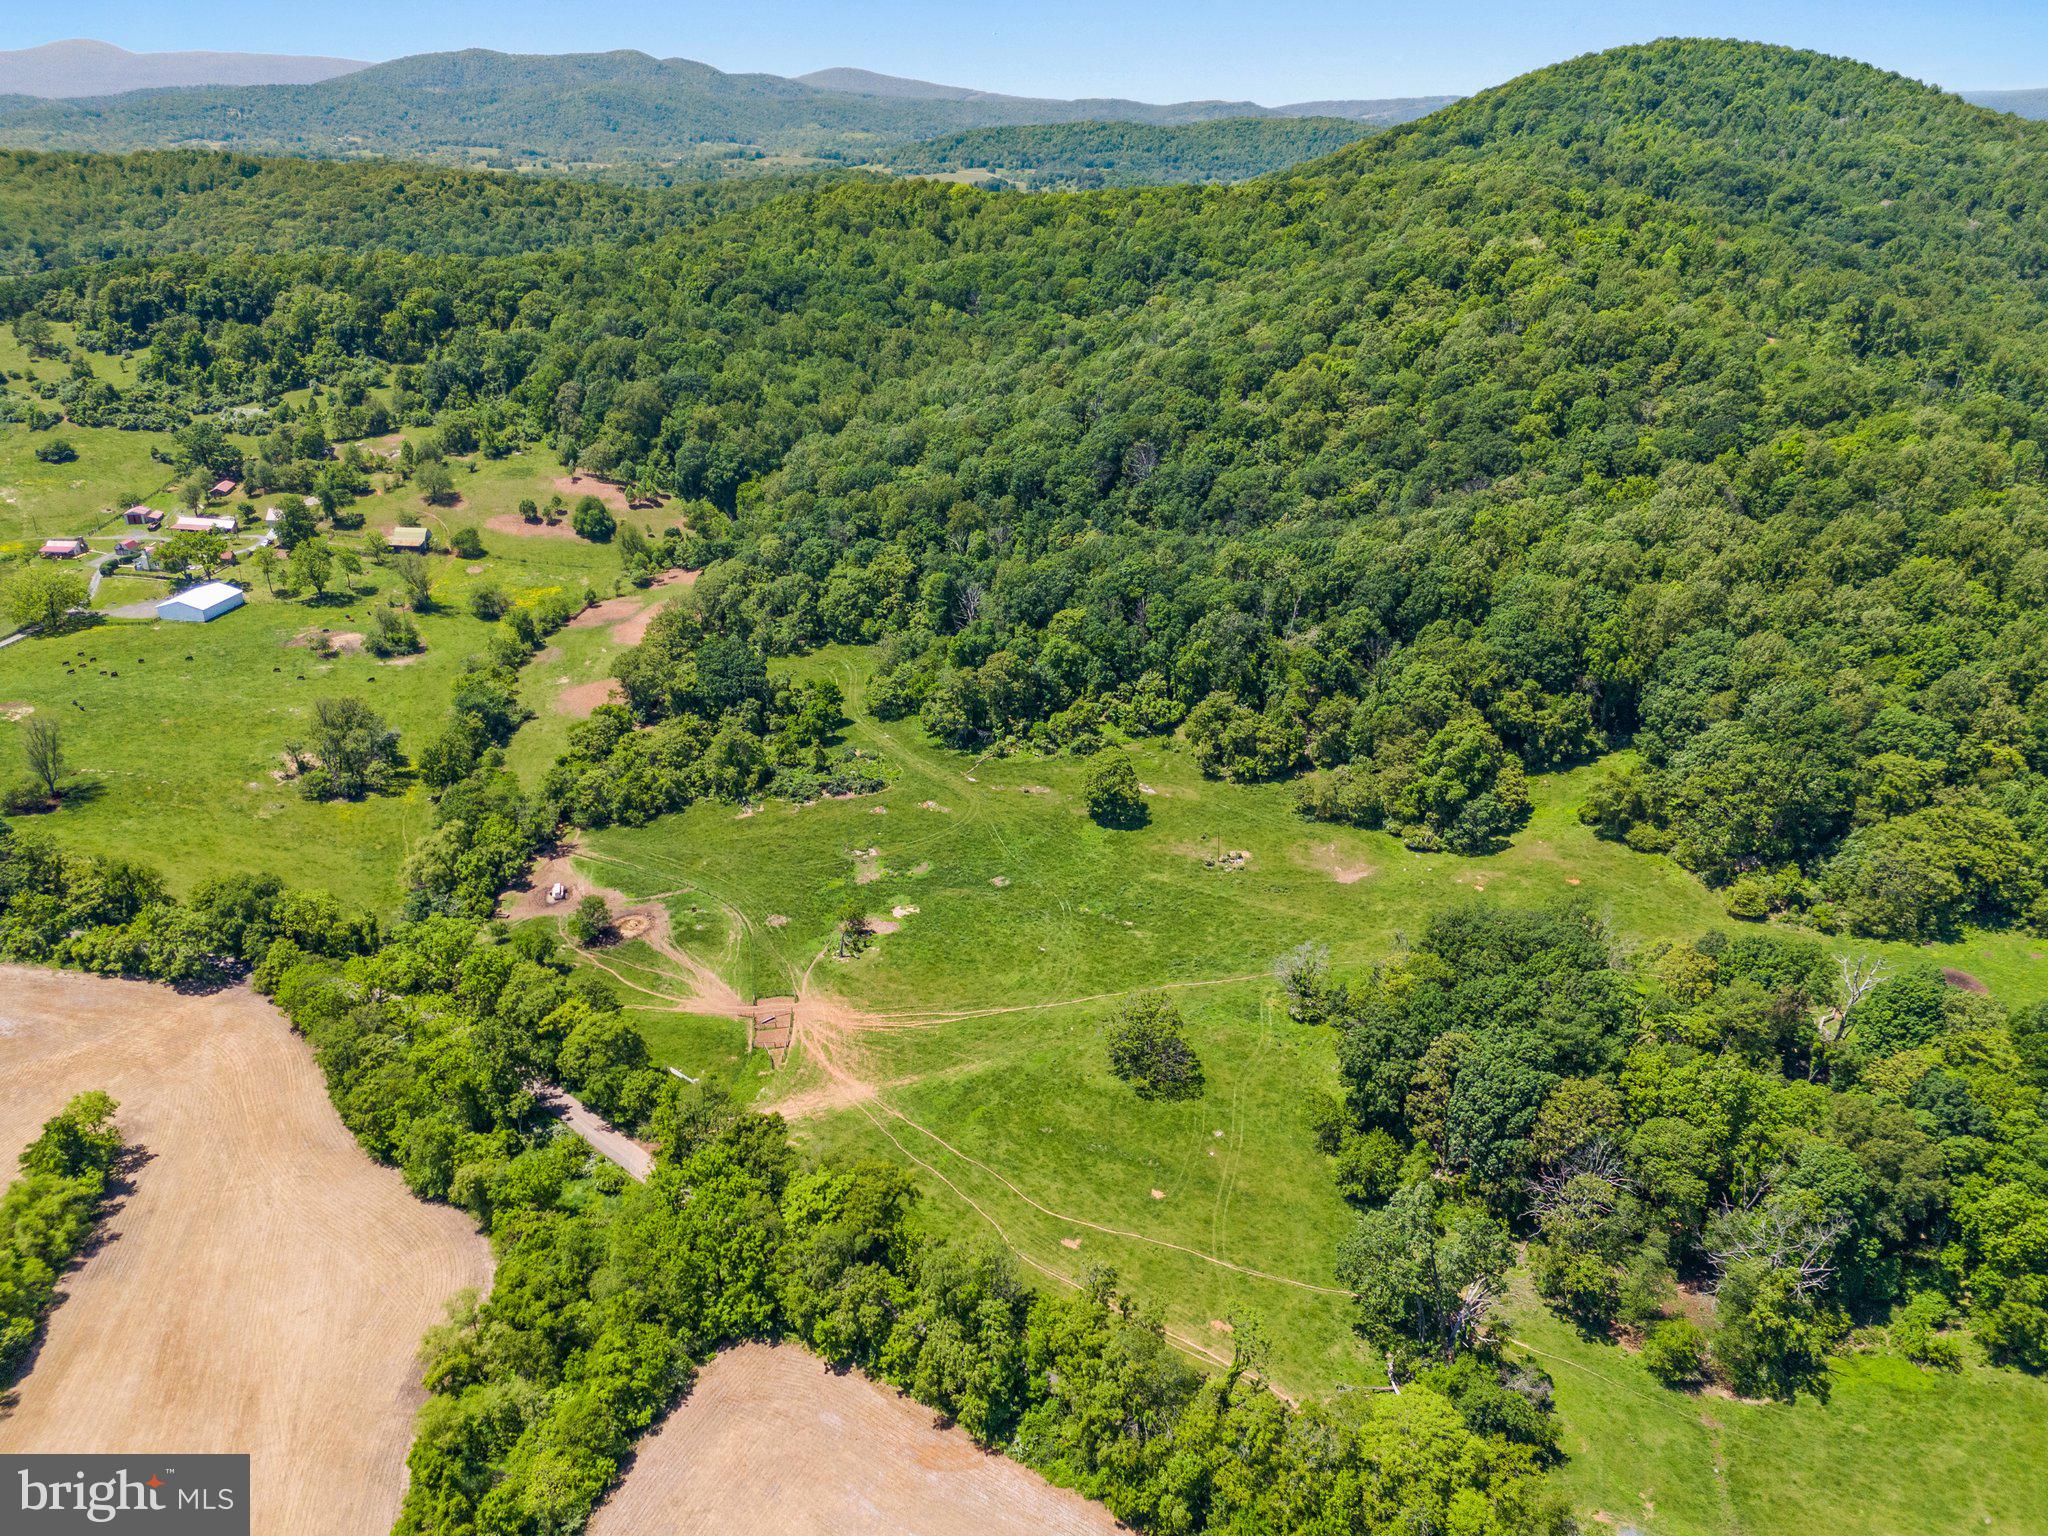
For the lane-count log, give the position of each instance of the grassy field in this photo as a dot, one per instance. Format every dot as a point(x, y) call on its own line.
point(1895, 1449)
point(1022, 899)
point(39, 501)
point(175, 731)
point(113, 469)
point(1019, 922)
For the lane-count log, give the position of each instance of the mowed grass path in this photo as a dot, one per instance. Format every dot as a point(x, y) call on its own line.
point(992, 1085)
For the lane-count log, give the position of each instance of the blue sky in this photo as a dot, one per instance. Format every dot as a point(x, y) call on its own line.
point(1281, 50)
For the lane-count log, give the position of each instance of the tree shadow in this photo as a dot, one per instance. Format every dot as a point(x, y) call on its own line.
point(120, 1186)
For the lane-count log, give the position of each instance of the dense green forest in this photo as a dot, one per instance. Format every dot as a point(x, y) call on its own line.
point(1073, 156)
point(68, 210)
point(577, 112)
point(1687, 398)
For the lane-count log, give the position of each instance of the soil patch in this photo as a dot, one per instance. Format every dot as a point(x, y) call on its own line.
point(265, 1285)
point(610, 611)
point(337, 643)
point(1331, 861)
point(573, 488)
point(579, 699)
point(1963, 980)
point(770, 1439)
point(520, 528)
point(632, 630)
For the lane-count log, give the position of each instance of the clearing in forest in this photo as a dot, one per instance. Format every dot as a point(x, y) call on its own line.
point(968, 1045)
point(263, 1286)
point(771, 1439)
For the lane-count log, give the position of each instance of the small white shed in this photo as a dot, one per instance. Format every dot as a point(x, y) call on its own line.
point(197, 605)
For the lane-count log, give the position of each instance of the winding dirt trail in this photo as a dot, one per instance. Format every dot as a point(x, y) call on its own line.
point(834, 1036)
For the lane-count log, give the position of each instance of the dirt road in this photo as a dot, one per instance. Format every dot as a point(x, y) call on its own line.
point(616, 1145)
point(265, 1285)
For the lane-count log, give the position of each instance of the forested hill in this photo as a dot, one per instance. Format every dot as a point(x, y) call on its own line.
point(67, 210)
point(575, 113)
point(1688, 397)
point(1074, 156)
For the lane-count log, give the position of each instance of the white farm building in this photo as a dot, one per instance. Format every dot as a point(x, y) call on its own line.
point(196, 605)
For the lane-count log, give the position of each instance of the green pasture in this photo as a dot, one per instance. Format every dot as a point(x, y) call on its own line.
point(175, 732)
point(991, 1085)
point(1021, 898)
point(1895, 1450)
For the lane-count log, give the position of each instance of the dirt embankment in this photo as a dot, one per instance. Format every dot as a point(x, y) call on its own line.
point(263, 1287)
point(771, 1440)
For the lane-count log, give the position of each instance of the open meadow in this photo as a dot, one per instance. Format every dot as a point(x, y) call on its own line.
point(967, 1044)
point(261, 1286)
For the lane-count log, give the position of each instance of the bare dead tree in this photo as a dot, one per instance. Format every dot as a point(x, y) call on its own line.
point(973, 598)
point(1785, 1234)
point(1586, 1185)
point(1475, 1302)
point(42, 747)
point(1860, 976)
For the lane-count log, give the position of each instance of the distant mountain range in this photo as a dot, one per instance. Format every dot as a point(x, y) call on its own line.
point(81, 67)
point(622, 111)
point(1047, 109)
point(2029, 103)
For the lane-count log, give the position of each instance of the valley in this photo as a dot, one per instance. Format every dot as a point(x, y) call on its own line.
point(1312, 822)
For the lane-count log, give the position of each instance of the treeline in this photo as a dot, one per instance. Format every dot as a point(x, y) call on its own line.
point(606, 1294)
point(1819, 1147)
point(1688, 397)
point(702, 720)
point(69, 210)
point(1082, 156)
point(49, 1214)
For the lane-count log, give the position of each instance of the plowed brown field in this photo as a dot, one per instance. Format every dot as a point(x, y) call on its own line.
point(265, 1286)
point(771, 1441)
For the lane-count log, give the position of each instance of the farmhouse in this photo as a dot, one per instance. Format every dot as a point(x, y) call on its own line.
point(197, 605)
point(409, 538)
point(224, 487)
point(199, 523)
point(63, 549)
